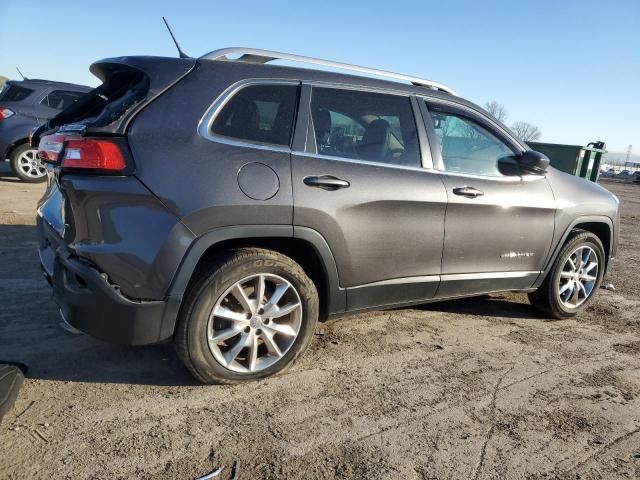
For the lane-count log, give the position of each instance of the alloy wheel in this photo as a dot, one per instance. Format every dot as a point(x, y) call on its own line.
point(30, 165)
point(578, 277)
point(254, 323)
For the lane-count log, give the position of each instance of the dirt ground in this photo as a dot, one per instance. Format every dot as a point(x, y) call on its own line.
point(480, 388)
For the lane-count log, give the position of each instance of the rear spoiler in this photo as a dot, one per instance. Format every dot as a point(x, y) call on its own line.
point(128, 85)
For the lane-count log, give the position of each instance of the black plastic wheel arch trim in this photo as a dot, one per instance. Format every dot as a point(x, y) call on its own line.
point(336, 296)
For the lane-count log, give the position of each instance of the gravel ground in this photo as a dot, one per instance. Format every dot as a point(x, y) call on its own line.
point(478, 388)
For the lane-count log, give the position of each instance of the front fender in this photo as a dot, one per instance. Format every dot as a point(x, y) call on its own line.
point(553, 253)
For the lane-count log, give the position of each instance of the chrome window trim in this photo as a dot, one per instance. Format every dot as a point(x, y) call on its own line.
point(362, 162)
point(504, 178)
point(204, 126)
point(522, 178)
point(206, 121)
point(247, 144)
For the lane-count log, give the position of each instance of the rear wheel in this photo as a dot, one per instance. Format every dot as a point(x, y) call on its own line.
point(248, 315)
point(26, 165)
point(574, 278)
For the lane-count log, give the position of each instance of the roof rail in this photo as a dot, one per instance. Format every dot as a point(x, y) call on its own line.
point(254, 55)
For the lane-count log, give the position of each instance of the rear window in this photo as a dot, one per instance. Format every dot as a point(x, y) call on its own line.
point(14, 93)
point(103, 105)
point(259, 113)
point(61, 99)
point(128, 83)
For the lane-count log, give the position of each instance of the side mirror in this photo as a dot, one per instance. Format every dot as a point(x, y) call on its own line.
point(534, 162)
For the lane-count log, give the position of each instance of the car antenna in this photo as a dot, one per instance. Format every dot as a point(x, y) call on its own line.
point(23, 77)
point(182, 54)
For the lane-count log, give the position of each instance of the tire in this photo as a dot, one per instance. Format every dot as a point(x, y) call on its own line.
point(215, 288)
point(548, 298)
point(26, 166)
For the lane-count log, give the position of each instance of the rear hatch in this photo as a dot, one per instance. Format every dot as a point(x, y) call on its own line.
point(88, 139)
point(128, 85)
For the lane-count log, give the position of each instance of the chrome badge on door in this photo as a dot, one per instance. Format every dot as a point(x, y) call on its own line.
point(517, 255)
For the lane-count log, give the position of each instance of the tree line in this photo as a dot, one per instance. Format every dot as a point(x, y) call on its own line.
point(526, 131)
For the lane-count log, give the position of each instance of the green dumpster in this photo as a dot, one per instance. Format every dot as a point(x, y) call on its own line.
point(576, 160)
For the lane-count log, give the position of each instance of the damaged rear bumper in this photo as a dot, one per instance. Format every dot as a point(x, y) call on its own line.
point(91, 304)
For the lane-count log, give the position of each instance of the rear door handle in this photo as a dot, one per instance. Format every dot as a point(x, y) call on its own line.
point(468, 192)
point(326, 182)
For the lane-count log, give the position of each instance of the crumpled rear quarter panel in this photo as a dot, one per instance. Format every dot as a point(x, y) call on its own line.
point(120, 226)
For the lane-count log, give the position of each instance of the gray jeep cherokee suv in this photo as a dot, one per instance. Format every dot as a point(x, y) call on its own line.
point(230, 204)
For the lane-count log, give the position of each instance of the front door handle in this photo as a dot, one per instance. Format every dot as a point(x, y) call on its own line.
point(468, 192)
point(326, 182)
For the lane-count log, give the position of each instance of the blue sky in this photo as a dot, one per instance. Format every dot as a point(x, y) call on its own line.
point(571, 67)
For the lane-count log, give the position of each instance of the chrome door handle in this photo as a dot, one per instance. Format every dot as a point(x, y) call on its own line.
point(468, 192)
point(326, 182)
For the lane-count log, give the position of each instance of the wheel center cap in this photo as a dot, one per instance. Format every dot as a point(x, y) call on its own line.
point(255, 322)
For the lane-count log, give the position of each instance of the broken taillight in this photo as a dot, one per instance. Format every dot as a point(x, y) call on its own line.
point(50, 148)
point(91, 154)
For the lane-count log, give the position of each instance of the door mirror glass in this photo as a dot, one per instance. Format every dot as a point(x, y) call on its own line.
point(534, 162)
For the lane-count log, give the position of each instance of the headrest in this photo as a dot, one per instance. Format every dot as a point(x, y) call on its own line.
point(375, 141)
point(322, 120)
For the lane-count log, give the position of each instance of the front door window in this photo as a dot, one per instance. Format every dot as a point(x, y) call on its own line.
point(469, 148)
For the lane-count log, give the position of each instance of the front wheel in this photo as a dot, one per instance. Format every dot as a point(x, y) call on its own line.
point(574, 278)
point(26, 165)
point(248, 315)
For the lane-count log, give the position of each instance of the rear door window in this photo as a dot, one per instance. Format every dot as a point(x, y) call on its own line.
point(14, 93)
point(259, 113)
point(61, 99)
point(374, 127)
